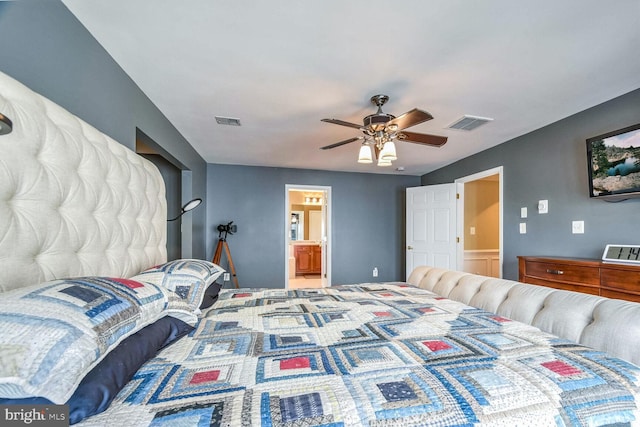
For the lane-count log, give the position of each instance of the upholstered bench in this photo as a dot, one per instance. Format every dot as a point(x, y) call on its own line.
point(609, 325)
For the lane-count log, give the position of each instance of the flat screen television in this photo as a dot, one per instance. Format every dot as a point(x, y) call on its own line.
point(614, 164)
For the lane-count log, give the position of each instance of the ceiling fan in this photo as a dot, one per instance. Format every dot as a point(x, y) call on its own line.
point(381, 129)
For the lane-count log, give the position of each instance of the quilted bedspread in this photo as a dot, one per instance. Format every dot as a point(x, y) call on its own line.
point(371, 355)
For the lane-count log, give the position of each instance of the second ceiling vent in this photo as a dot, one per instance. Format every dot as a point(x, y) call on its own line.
point(469, 123)
point(228, 121)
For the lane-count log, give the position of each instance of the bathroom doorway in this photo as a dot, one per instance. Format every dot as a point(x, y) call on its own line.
point(307, 236)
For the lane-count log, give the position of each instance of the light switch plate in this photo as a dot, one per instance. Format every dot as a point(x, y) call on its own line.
point(523, 212)
point(543, 206)
point(523, 228)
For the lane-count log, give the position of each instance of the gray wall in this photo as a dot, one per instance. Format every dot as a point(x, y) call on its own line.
point(550, 163)
point(171, 176)
point(46, 48)
point(368, 215)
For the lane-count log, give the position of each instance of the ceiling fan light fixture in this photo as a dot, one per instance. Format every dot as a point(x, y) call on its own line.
point(381, 129)
point(365, 155)
point(388, 151)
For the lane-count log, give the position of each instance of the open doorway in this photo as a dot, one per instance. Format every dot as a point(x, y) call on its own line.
point(307, 236)
point(480, 227)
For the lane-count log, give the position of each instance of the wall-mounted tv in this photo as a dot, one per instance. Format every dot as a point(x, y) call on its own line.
point(614, 164)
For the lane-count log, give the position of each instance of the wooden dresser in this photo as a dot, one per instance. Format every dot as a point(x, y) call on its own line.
point(590, 276)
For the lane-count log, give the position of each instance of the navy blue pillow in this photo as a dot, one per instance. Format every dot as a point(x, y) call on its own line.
point(107, 378)
point(210, 295)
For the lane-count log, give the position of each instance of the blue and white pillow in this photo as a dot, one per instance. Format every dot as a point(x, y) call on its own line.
point(186, 278)
point(55, 332)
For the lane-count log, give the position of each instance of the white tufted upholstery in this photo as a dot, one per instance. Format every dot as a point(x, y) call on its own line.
point(608, 325)
point(73, 202)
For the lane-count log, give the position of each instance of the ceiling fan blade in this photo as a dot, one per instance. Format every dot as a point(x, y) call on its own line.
point(342, 123)
point(338, 144)
point(410, 118)
point(422, 138)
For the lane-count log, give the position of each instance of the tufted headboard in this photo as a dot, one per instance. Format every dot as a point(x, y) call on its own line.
point(73, 202)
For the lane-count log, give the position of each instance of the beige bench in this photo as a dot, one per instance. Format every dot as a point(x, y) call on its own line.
point(609, 325)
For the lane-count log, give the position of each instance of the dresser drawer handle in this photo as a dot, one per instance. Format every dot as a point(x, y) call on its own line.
point(558, 272)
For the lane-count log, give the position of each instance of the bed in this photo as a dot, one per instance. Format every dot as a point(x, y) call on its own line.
point(93, 316)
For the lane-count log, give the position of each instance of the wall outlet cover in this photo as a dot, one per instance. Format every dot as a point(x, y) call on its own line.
point(523, 228)
point(523, 212)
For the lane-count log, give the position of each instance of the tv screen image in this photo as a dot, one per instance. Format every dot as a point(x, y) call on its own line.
point(614, 164)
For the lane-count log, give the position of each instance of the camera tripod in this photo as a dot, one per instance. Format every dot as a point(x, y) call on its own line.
point(222, 243)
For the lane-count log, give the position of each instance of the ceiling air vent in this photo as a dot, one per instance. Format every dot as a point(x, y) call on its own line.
point(468, 123)
point(227, 121)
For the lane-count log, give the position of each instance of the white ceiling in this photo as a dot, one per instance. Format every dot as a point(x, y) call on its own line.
point(282, 65)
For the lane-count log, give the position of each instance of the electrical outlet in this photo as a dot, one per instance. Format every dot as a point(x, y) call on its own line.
point(375, 272)
point(523, 212)
point(226, 277)
point(523, 228)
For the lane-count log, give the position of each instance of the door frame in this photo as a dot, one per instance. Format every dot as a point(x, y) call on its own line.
point(460, 213)
point(326, 255)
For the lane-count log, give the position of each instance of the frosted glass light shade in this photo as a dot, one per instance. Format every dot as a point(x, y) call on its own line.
point(388, 151)
point(365, 155)
point(382, 162)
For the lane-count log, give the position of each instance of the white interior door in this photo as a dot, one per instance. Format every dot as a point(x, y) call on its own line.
point(431, 227)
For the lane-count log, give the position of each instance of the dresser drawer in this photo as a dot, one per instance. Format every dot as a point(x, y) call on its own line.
point(624, 280)
point(619, 295)
point(565, 273)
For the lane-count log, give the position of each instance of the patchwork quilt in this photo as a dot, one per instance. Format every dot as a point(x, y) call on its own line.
point(371, 355)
